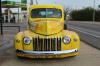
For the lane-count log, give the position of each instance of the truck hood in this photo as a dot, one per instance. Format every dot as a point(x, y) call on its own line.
point(46, 27)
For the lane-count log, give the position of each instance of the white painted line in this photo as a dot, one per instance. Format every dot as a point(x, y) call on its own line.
point(78, 29)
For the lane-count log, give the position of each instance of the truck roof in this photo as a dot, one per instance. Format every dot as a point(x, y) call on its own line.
point(46, 6)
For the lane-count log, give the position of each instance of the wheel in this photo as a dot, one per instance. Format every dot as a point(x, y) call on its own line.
point(65, 27)
point(75, 55)
point(19, 57)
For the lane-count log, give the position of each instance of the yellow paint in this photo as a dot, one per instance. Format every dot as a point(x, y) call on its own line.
point(46, 28)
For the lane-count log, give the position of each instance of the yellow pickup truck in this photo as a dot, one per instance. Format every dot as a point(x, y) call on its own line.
point(46, 36)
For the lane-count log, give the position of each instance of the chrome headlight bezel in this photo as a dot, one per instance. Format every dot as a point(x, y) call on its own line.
point(27, 40)
point(66, 40)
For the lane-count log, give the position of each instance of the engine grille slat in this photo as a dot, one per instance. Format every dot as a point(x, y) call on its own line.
point(46, 44)
point(41, 42)
point(35, 42)
point(58, 44)
point(53, 44)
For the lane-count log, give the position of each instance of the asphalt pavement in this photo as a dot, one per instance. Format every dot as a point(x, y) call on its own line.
point(87, 25)
point(89, 32)
point(9, 31)
point(88, 56)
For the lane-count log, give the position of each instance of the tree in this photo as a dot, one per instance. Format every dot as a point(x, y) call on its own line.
point(66, 12)
point(85, 14)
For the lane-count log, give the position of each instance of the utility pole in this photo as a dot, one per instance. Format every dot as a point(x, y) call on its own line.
point(31, 2)
point(94, 11)
point(1, 28)
point(36, 2)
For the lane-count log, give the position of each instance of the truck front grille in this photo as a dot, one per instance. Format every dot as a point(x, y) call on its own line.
point(47, 44)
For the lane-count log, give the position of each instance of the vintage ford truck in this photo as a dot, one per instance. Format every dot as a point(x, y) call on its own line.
point(46, 36)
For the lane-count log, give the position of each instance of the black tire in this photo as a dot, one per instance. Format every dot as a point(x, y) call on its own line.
point(65, 27)
point(19, 57)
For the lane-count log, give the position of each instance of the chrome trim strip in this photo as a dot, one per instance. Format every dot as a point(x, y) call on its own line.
point(51, 52)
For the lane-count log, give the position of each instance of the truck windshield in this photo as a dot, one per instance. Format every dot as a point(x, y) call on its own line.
point(46, 13)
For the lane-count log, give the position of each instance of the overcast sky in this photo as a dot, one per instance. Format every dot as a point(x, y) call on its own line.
point(68, 3)
point(75, 4)
point(72, 3)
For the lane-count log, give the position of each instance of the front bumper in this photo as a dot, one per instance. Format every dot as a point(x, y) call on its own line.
point(46, 54)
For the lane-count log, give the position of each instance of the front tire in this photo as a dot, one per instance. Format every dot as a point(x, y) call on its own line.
point(65, 27)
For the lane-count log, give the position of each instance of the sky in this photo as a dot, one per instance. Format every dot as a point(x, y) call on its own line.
point(67, 3)
point(72, 4)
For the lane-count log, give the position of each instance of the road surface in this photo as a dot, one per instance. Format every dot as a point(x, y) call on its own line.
point(89, 32)
point(89, 56)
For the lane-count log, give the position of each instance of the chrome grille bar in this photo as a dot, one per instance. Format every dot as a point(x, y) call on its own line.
point(46, 44)
point(58, 44)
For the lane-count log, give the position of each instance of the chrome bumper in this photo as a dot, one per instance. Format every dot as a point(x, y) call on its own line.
point(47, 52)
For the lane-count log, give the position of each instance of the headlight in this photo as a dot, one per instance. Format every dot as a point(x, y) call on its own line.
point(27, 40)
point(66, 40)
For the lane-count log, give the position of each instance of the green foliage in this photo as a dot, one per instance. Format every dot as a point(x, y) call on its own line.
point(24, 1)
point(97, 16)
point(85, 14)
